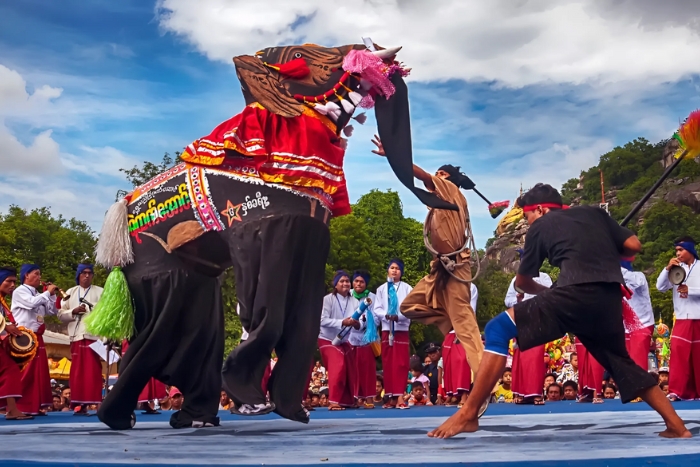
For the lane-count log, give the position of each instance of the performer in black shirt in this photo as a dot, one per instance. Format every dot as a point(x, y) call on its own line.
point(586, 244)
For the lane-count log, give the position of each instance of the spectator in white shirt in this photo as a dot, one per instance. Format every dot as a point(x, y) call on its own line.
point(638, 341)
point(29, 308)
point(684, 377)
point(395, 358)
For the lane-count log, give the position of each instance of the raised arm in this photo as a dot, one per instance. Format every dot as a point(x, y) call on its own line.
point(419, 173)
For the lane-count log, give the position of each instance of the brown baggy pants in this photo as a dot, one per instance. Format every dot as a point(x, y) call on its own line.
point(448, 307)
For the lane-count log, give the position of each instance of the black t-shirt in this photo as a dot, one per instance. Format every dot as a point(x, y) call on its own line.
point(584, 242)
point(431, 371)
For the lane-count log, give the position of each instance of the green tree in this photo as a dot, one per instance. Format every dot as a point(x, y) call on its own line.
point(56, 244)
point(492, 285)
point(138, 175)
point(663, 223)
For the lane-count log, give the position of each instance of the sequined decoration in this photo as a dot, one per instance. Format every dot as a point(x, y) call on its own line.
point(204, 211)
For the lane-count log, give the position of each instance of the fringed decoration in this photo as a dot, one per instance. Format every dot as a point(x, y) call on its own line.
point(348, 130)
point(689, 133)
point(114, 245)
point(361, 119)
point(333, 110)
point(355, 97)
point(113, 315)
point(347, 105)
point(371, 333)
point(371, 68)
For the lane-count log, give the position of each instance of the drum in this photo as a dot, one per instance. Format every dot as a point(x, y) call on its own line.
point(676, 275)
point(2, 323)
point(23, 347)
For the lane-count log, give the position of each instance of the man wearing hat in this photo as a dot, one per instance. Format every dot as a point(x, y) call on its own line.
point(86, 366)
point(395, 338)
point(29, 307)
point(443, 296)
point(10, 376)
point(684, 380)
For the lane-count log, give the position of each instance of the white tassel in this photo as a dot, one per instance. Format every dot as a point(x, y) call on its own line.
point(355, 98)
point(361, 119)
point(322, 109)
point(114, 245)
point(334, 115)
point(348, 130)
point(332, 111)
point(349, 108)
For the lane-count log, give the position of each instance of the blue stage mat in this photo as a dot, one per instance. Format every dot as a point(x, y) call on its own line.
point(557, 434)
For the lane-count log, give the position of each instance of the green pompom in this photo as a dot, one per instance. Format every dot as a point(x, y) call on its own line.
point(113, 315)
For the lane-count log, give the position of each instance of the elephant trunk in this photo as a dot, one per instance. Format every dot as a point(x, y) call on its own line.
point(394, 126)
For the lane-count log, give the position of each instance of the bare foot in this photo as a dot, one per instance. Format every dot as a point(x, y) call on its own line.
point(456, 424)
point(669, 433)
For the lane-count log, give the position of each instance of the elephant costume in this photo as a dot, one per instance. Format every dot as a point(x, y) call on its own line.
point(256, 194)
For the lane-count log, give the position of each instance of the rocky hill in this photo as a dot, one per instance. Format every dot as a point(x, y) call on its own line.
point(630, 170)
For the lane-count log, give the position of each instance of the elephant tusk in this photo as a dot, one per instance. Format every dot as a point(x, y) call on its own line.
point(387, 53)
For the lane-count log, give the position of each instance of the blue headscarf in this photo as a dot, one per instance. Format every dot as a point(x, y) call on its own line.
point(627, 263)
point(339, 275)
point(82, 267)
point(26, 269)
point(397, 262)
point(7, 272)
point(363, 274)
point(689, 247)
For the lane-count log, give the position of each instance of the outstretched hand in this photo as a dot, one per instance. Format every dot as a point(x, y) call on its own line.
point(380, 148)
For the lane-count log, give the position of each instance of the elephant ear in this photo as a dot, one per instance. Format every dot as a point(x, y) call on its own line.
point(260, 85)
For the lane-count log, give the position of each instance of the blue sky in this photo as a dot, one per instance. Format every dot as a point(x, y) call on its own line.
point(88, 87)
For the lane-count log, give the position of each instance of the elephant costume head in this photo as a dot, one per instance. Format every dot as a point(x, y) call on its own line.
point(335, 81)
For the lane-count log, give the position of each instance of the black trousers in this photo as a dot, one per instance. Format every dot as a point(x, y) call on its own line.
point(179, 340)
point(279, 263)
point(593, 312)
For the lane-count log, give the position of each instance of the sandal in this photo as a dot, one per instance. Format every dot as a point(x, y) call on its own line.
point(388, 405)
point(367, 405)
point(598, 400)
point(538, 401)
point(335, 408)
point(21, 417)
point(402, 406)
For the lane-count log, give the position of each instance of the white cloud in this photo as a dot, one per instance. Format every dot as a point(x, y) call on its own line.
point(42, 154)
point(513, 42)
point(40, 174)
